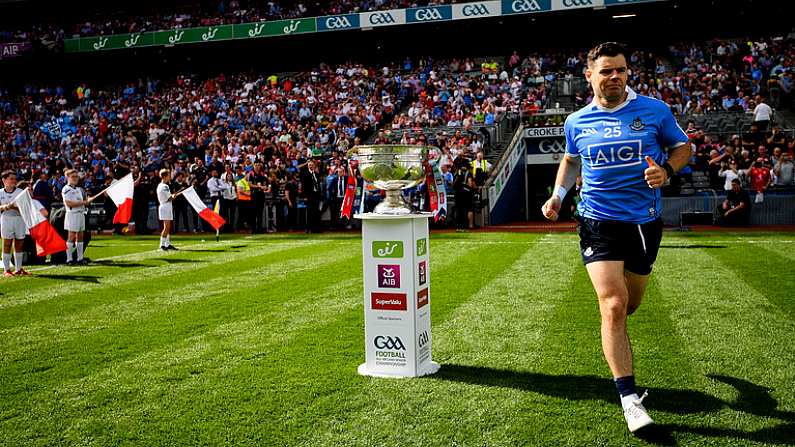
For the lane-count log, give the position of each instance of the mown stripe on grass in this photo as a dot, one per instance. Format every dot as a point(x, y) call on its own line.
point(330, 385)
point(735, 337)
point(150, 298)
point(317, 363)
point(121, 398)
point(768, 271)
point(126, 339)
point(500, 327)
point(81, 280)
point(571, 394)
point(45, 277)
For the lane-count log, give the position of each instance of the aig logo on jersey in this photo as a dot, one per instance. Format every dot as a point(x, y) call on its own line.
point(614, 154)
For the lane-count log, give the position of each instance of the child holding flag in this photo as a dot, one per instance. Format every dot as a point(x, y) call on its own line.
point(74, 223)
point(165, 211)
point(11, 225)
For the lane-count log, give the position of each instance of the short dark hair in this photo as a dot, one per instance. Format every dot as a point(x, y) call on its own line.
point(609, 49)
point(737, 181)
point(8, 173)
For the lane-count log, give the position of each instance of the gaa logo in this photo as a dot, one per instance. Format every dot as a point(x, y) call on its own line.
point(389, 276)
point(577, 3)
point(381, 18)
point(477, 9)
point(385, 342)
point(423, 339)
point(550, 146)
point(339, 22)
point(525, 6)
point(427, 14)
point(388, 249)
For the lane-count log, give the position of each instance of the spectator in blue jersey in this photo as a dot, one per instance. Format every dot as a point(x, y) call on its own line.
point(627, 146)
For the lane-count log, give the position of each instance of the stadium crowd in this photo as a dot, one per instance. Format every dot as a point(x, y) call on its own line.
point(249, 138)
point(254, 133)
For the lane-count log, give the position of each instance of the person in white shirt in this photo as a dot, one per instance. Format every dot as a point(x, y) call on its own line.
point(729, 172)
point(762, 114)
point(165, 211)
point(12, 227)
point(215, 187)
point(75, 202)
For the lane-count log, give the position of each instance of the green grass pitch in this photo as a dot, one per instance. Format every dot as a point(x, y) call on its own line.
point(256, 340)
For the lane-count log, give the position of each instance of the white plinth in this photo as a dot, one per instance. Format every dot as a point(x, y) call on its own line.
point(397, 298)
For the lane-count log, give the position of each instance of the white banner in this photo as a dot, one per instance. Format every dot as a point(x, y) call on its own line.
point(476, 10)
point(562, 5)
point(544, 132)
point(382, 18)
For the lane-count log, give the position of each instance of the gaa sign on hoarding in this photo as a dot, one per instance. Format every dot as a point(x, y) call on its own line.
point(545, 145)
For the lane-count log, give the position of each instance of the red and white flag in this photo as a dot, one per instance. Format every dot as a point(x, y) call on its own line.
point(205, 213)
point(48, 241)
point(121, 192)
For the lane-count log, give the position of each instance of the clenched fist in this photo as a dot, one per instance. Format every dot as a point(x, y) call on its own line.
point(551, 208)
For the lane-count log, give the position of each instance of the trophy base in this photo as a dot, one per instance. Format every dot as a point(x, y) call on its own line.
point(393, 204)
point(429, 368)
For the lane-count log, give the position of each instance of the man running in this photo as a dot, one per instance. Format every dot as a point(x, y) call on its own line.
point(620, 142)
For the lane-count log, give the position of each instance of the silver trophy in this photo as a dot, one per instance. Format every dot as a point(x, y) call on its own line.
point(392, 167)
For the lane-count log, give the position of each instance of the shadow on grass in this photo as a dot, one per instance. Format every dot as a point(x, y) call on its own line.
point(178, 260)
point(111, 263)
point(209, 250)
point(752, 399)
point(692, 246)
point(81, 278)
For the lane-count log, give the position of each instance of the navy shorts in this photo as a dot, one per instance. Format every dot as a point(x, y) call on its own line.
point(635, 244)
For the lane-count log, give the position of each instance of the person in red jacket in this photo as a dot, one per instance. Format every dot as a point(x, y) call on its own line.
point(760, 176)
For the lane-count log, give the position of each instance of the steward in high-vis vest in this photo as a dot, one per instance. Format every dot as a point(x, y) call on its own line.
point(245, 206)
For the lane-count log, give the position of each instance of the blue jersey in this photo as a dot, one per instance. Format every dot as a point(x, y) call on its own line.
point(613, 144)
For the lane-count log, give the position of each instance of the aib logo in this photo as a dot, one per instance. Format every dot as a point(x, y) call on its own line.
point(389, 276)
point(422, 247)
point(388, 249)
point(422, 273)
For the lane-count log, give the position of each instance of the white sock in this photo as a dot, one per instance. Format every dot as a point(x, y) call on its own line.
point(70, 251)
point(627, 400)
point(6, 262)
point(79, 251)
point(18, 260)
point(162, 241)
point(168, 240)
